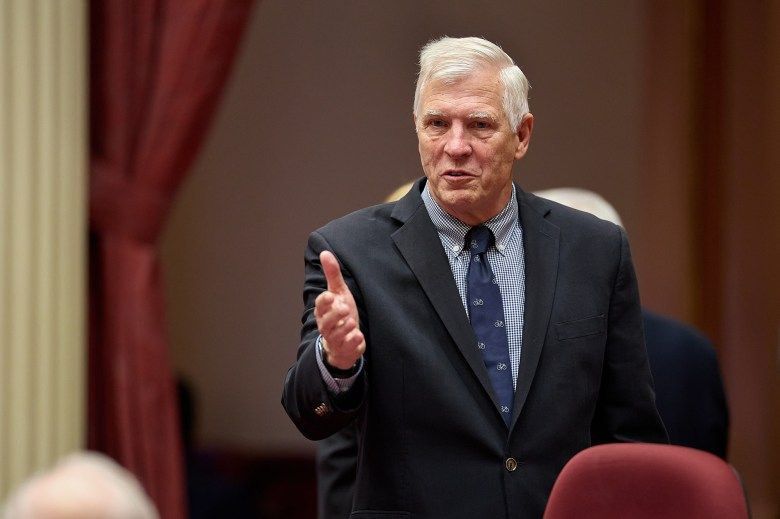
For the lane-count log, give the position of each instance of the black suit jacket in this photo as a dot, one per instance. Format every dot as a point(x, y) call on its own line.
point(336, 463)
point(432, 440)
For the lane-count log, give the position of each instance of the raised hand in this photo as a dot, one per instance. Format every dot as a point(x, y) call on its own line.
point(337, 318)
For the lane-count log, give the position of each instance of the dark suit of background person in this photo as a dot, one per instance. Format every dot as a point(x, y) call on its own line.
point(688, 385)
point(433, 442)
point(689, 396)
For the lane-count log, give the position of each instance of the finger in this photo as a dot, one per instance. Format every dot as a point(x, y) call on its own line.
point(330, 325)
point(323, 304)
point(339, 332)
point(330, 265)
point(327, 303)
point(348, 352)
point(329, 321)
point(354, 340)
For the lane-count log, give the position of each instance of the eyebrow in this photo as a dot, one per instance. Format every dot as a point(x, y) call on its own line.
point(472, 115)
point(482, 115)
point(433, 113)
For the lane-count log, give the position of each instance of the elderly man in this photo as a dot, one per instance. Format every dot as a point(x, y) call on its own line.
point(479, 335)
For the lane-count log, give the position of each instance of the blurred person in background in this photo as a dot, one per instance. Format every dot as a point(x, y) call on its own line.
point(84, 485)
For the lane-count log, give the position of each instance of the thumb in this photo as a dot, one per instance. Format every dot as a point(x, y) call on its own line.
point(330, 265)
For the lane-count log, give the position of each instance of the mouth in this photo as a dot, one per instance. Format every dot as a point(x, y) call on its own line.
point(457, 174)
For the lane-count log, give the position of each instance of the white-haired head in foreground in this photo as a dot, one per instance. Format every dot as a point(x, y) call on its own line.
point(84, 485)
point(449, 60)
point(583, 200)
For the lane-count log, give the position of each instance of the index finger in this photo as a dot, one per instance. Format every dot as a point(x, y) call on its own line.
point(330, 266)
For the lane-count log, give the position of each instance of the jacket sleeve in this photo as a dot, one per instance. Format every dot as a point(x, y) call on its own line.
point(314, 410)
point(626, 410)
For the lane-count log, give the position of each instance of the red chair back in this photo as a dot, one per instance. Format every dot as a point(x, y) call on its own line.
point(646, 481)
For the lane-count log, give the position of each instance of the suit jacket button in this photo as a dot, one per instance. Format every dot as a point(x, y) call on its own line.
point(322, 409)
point(510, 464)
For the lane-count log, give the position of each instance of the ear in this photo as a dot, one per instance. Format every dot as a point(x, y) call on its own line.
point(524, 135)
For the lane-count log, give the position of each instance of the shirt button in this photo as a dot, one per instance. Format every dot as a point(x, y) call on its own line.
point(510, 464)
point(455, 249)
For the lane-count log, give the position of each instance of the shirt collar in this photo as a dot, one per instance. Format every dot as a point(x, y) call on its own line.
point(453, 232)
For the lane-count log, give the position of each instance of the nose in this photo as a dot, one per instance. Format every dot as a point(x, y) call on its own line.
point(457, 144)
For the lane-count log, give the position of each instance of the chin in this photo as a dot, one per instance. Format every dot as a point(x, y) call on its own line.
point(461, 208)
point(461, 198)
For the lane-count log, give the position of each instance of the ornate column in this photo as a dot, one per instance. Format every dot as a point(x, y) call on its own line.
point(43, 171)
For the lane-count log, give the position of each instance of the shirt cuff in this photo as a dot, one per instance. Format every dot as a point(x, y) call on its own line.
point(335, 385)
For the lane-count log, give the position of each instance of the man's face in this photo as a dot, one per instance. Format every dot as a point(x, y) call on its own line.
point(467, 146)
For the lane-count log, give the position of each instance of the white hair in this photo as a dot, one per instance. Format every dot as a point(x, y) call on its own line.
point(85, 484)
point(449, 60)
point(583, 200)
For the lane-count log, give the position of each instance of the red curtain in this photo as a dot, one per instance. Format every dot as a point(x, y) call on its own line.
point(157, 68)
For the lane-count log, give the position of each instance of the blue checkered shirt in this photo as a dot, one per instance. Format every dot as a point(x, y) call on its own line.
point(506, 258)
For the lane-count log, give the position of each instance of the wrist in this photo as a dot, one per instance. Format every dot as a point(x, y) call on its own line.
point(342, 373)
point(337, 371)
point(333, 369)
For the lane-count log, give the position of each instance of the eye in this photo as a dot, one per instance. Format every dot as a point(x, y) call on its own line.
point(437, 123)
point(481, 125)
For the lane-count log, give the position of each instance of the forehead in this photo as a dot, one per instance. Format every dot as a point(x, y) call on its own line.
point(481, 90)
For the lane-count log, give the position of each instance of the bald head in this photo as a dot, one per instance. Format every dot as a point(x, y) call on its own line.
point(85, 486)
point(583, 200)
point(399, 192)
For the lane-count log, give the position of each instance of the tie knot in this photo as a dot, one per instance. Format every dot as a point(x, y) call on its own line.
point(479, 238)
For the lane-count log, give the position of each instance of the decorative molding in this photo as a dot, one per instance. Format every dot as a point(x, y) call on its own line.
point(43, 171)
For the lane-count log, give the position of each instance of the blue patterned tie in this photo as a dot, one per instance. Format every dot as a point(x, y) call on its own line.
point(486, 312)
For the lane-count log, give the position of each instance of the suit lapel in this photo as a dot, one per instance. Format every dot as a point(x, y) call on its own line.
point(432, 269)
point(541, 242)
